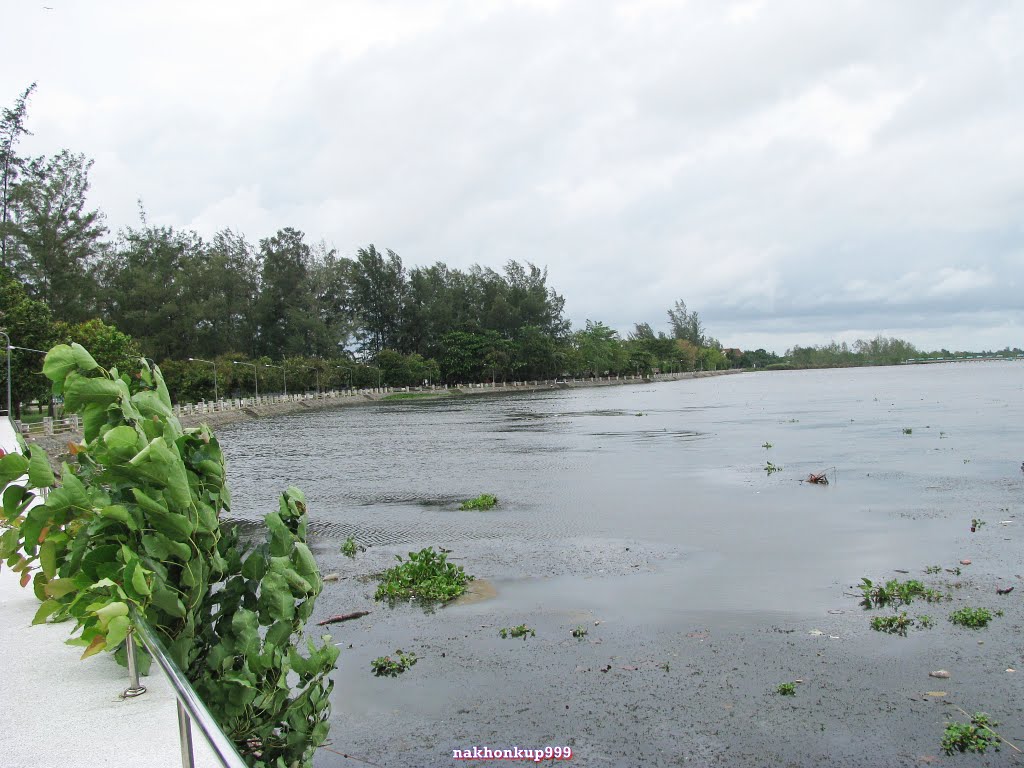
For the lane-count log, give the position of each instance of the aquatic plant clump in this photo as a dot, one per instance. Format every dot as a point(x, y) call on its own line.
point(520, 630)
point(385, 666)
point(896, 593)
point(481, 503)
point(975, 736)
point(426, 575)
point(349, 548)
point(972, 618)
point(894, 625)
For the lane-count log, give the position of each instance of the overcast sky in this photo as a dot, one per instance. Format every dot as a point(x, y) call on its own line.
point(796, 171)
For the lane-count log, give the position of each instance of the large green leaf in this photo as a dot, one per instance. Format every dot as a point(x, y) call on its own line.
point(45, 610)
point(39, 473)
point(94, 416)
point(48, 558)
point(14, 500)
point(12, 466)
point(122, 441)
point(83, 359)
point(35, 521)
point(168, 601)
point(80, 391)
point(117, 630)
point(150, 404)
point(58, 363)
point(110, 611)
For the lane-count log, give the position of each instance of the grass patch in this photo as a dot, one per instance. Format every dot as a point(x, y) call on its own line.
point(413, 395)
point(975, 736)
point(972, 618)
point(426, 575)
point(481, 503)
point(386, 666)
point(521, 630)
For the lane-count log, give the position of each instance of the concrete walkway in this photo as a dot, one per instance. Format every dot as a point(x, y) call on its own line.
point(60, 712)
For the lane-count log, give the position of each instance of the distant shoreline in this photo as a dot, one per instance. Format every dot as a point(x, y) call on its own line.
point(227, 418)
point(56, 445)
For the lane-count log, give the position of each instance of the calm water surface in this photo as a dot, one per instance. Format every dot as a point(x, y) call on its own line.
point(677, 465)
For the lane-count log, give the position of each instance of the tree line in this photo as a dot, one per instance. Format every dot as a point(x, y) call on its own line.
point(286, 311)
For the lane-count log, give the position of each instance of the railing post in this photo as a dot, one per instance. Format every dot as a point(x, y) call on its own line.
point(134, 688)
point(185, 737)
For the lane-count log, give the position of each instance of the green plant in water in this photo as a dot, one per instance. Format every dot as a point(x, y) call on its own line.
point(786, 689)
point(895, 593)
point(976, 522)
point(135, 522)
point(580, 631)
point(481, 503)
point(894, 625)
point(925, 622)
point(932, 569)
point(349, 548)
point(426, 575)
point(766, 445)
point(520, 630)
point(973, 618)
point(769, 468)
point(907, 431)
point(975, 736)
point(385, 666)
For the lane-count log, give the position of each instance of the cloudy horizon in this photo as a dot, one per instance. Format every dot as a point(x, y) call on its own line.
point(797, 172)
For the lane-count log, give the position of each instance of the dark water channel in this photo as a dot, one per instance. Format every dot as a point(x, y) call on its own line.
point(647, 509)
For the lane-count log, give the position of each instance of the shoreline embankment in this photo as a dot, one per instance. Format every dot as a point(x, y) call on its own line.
point(225, 418)
point(56, 445)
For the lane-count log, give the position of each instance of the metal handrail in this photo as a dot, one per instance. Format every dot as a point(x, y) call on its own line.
point(190, 706)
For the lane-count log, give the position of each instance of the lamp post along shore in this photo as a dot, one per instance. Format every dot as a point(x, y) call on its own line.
point(255, 375)
point(8, 348)
point(284, 375)
point(211, 362)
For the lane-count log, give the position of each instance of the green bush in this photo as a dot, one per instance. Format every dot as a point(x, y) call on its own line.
point(136, 522)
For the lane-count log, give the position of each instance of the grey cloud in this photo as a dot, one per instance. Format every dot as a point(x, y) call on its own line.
point(787, 168)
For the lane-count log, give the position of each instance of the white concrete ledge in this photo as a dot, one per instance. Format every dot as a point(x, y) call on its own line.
point(59, 711)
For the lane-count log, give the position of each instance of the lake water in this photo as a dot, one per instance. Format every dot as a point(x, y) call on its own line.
point(677, 463)
point(644, 513)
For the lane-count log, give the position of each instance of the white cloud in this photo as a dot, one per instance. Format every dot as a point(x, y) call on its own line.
point(789, 169)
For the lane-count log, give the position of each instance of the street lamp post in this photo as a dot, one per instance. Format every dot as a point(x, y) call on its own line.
point(8, 347)
point(347, 370)
point(211, 362)
point(255, 375)
point(283, 374)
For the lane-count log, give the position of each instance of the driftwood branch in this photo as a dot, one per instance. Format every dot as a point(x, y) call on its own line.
point(343, 617)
